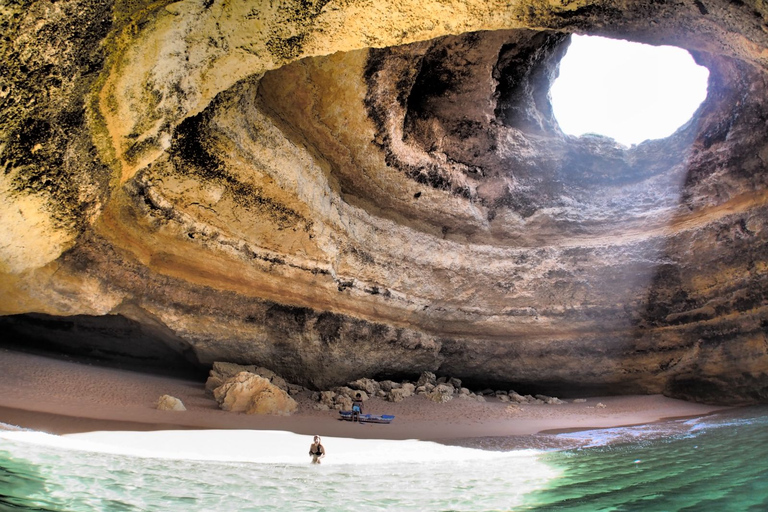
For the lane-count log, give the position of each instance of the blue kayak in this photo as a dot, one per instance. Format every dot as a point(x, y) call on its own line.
point(368, 418)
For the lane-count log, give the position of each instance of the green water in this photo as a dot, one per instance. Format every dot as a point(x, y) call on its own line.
point(719, 463)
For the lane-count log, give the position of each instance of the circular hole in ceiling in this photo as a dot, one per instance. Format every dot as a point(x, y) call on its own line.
point(628, 91)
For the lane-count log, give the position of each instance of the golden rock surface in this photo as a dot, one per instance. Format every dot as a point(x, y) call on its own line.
point(372, 189)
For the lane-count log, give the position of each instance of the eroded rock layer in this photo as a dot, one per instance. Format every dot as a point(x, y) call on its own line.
point(337, 192)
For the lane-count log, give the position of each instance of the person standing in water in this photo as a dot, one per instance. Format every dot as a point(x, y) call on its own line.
point(316, 451)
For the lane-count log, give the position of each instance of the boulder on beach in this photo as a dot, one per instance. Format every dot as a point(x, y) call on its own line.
point(170, 403)
point(249, 393)
point(343, 403)
point(389, 385)
point(369, 386)
point(221, 371)
point(441, 394)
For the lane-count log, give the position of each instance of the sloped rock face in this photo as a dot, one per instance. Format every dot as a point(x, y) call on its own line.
point(337, 193)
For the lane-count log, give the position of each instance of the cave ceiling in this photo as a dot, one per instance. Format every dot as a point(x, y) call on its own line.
point(345, 189)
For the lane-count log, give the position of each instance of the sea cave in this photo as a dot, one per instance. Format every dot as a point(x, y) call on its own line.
point(342, 190)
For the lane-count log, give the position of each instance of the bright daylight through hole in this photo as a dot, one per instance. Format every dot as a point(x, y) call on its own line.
point(628, 91)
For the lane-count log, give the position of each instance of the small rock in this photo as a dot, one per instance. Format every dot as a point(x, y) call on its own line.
point(408, 389)
point(426, 378)
point(579, 400)
point(441, 394)
point(343, 403)
point(327, 397)
point(381, 393)
point(276, 380)
point(441, 380)
point(170, 403)
point(516, 397)
point(464, 391)
point(266, 373)
point(396, 395)
point(500, 392)
point(321, 407)
point(345, 391)
point(439, 398)
point(388, 385)
point(485, 392)
point(295, 389)
point(550, 400)
point(370, 386)
point(600, 405)
point(503, 398)
point(456, 383)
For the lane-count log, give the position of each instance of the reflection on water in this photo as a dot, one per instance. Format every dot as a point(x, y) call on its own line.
point(716, 463)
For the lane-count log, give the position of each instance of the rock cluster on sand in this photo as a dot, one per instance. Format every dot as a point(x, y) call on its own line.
point(438, 390)
point(170, 403)
point(512, 396)
point(232, 385)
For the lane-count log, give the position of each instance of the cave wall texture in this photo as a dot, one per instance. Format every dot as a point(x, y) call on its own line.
point(346, 189)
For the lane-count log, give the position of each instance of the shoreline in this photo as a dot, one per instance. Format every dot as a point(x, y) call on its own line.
point(65, 397)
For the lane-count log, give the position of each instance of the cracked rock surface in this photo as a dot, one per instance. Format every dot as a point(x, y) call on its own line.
point(345, 191)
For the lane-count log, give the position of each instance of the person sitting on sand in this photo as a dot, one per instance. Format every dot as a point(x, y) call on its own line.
point(357, 407)
point(316, 451)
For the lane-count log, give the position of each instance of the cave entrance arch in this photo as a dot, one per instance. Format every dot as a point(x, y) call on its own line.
point(628, 91)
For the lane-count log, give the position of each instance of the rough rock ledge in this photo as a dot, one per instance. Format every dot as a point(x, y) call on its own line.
point(339, 192)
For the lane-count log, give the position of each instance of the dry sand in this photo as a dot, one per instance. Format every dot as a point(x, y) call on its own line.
point(60, 397)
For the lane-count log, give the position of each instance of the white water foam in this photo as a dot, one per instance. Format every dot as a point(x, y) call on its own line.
point(258, 446)
point(639, 433)
point(257, 470)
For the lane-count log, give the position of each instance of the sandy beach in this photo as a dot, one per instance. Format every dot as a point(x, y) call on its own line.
point(62, 397)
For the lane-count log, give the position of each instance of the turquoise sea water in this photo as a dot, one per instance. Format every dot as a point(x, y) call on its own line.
point(717, 463)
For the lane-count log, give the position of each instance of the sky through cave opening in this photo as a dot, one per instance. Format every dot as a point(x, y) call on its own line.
point(628, 91)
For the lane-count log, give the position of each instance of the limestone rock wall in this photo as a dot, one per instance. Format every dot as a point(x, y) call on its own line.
point(337, 192)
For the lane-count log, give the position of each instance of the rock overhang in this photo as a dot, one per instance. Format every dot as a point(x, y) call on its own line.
point(348, 215)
